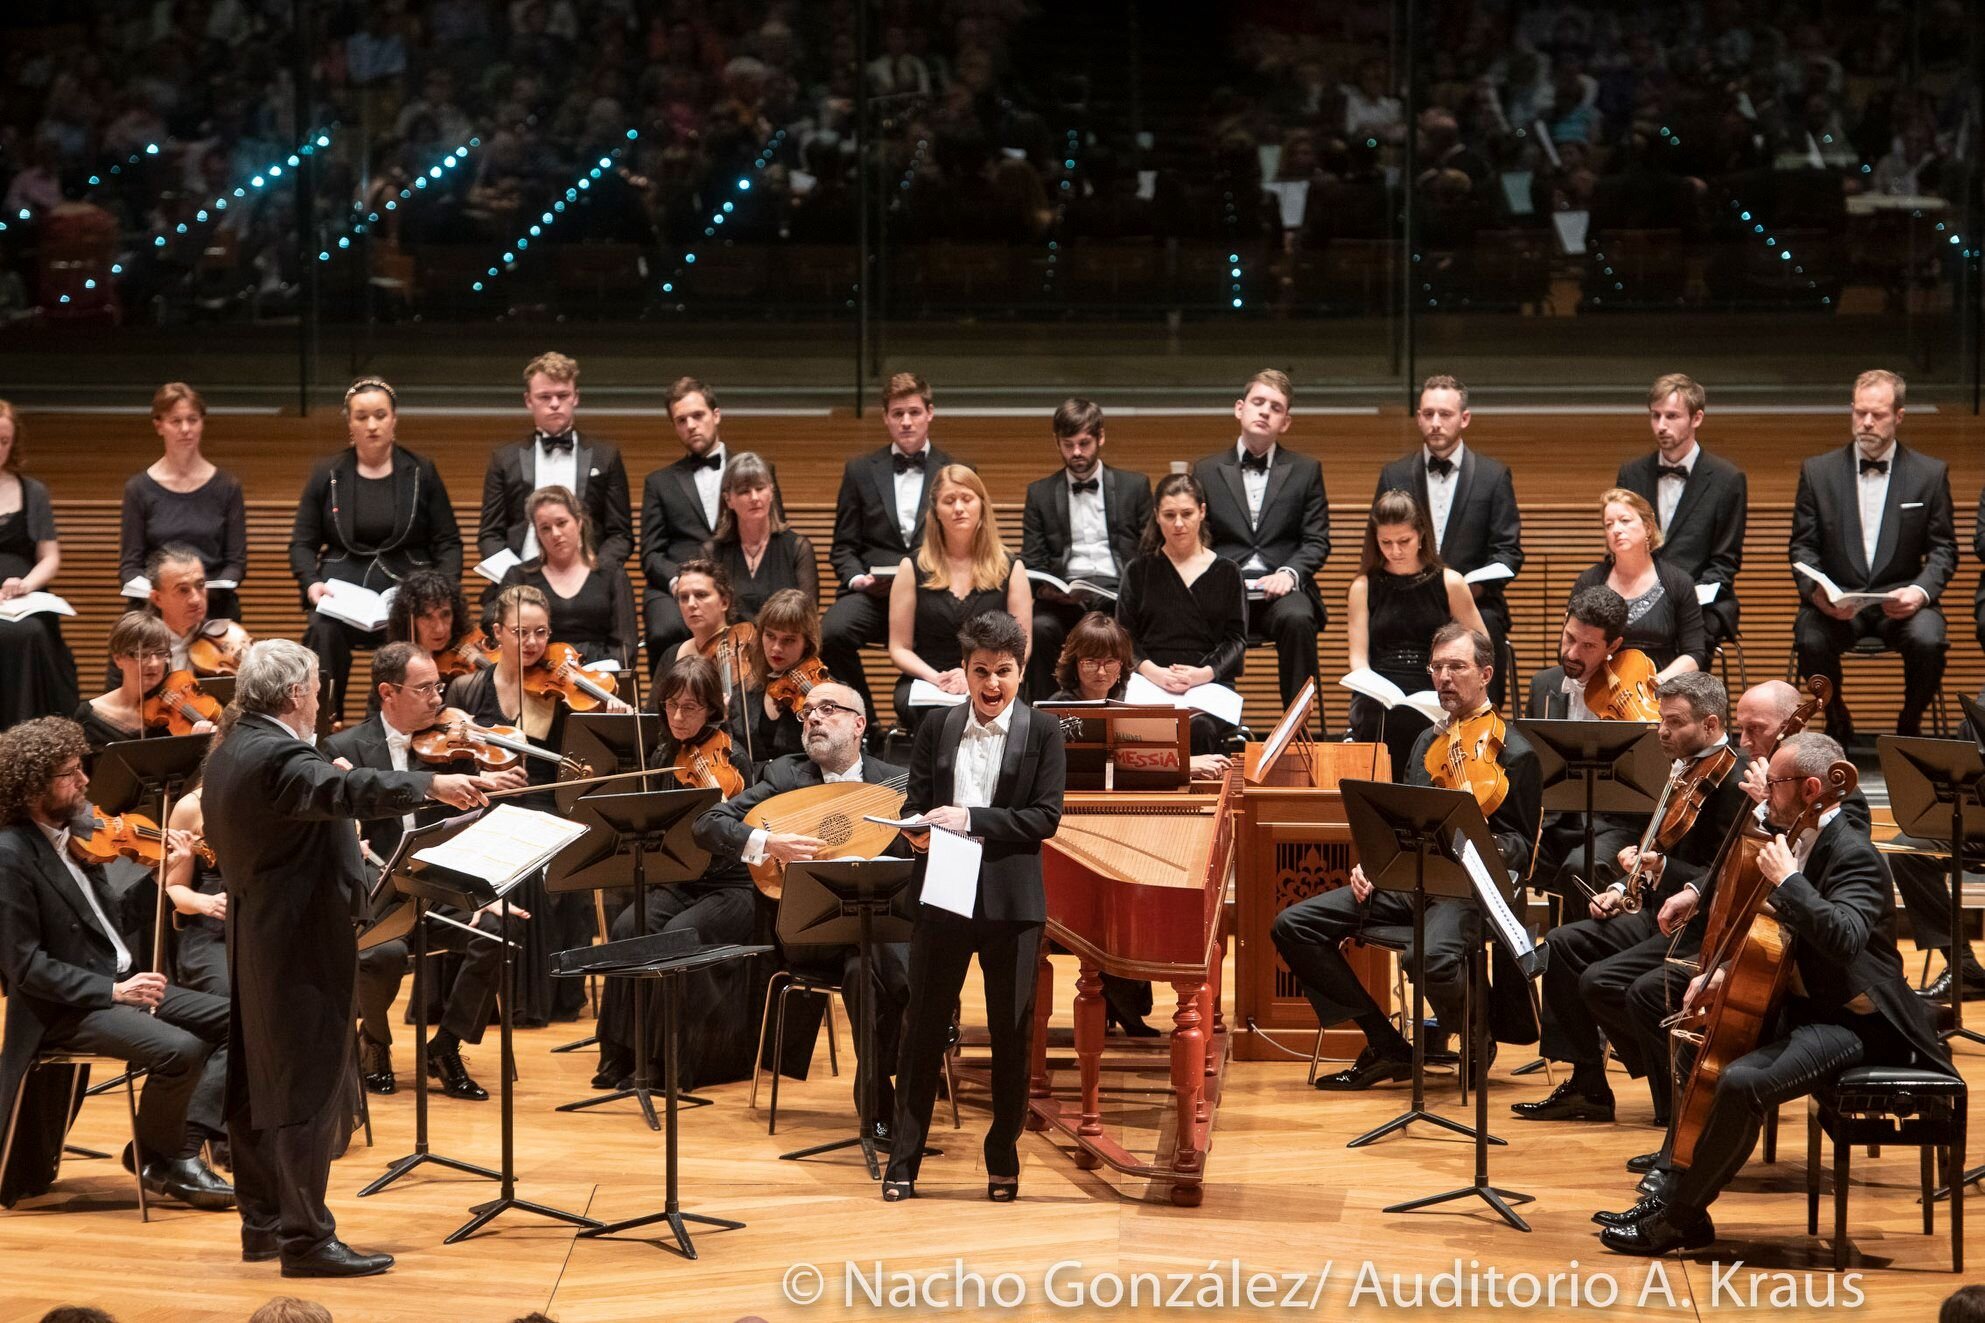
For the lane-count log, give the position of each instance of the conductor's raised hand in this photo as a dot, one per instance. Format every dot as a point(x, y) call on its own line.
point(456, 791)
point(146, 990)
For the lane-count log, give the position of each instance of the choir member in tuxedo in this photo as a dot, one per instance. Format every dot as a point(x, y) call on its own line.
point(1700, 499)
point(878, 520)
point(832, 753)
point(1875, 516)
point(1083, 521)
point(759, 553)
point(1310, 933)
point(1598, 958)
point(1403, 594)
point(994, 769)
point(554, 455)
point(409, 701)
point(140, 649)
point(1268, 514)
point(1830, 894)
point(282, 827)
point(184, 499)
point(788, 636)
point(592, 602)
point(77, 980)
point(1184, 606)
point(961, 569)
point(679, 509)
point(1469, 498)
point(719, 906)
point(37, 673)
point(370, 515)
point(1664, 620)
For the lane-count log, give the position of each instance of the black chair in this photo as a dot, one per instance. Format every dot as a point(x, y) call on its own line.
point(79, 1064)
point(790, 985)
point(1877, 1105)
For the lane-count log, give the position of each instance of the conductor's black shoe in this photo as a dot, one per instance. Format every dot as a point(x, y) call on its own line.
point(1647, 1207)
point(1642, 1163)
point(1940, 989)
point(260, 1246)
point(445, 1064)
point(1661, 1232)
point(334, 1258)
point(1369, 1069)
point(375, 1066)
point(1566, 1103)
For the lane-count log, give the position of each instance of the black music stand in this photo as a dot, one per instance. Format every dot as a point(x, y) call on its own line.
point(1590, 767)
point(142, 773)
point(1937, 789)
point(1411, 839)
point(629, 827)
point(409, 918)
point(666, 957)
point(832, 903)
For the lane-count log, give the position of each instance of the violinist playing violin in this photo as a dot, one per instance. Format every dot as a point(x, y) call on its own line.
point(76, 979)
point(409, 700)
point(1474, 749)
point(141, 650)
point(179, 598)
point(430, 612)
point(719, 906)
point(1847, 1003)
point(787, 653)
point(1633, 924)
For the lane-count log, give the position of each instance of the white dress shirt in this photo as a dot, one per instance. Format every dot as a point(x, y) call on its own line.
point(551, 468)
point(58, 837)
point(1256, 486)
point(1874, 493)
point(1088, 531)
point(1575, 708)
point(397, 744)
point(981, 746)
point(1440, 490)
point(754, 846)
point(909, 493)
point(1668, 490)
point(710, 481)
point(180, 648)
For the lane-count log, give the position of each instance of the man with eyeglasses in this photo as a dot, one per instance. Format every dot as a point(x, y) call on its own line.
point(409, 701)
point(832, 724)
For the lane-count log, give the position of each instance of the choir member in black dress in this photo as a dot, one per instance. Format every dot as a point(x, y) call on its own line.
point(592, 603)
point(1403, 593)
point(141, 651)
point(185, 500)
point(1185, 607)
point(555, 454)
point(719, 906)
point(369, 515)
point(788, 636)
point(960, 570)
point(758, 551)
point(37, 673)
point(1664, 620)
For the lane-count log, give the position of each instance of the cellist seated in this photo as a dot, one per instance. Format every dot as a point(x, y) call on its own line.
point(1308, 933)
point(1845, 1004)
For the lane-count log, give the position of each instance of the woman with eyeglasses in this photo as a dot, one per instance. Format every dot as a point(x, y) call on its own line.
point(1403, 594)
point(141, 650)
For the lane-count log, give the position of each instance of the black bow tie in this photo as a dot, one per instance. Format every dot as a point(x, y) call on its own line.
point(710, 461)
point(904, 463)
point(1441, 467)
point(1675, 471)
point(1874, 466)
point(1254, 463)
point(1092, 485)
point(564, 441)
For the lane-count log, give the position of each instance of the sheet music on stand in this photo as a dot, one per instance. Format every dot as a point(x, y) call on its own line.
point(1496, 905)
point(505, 845)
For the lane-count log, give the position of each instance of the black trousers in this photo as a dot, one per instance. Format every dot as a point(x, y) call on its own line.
point(281, 1172)
point(1719, 618)
point(335, 642)
point(665, 629)
point(941, 950)
point(1925, 885)
point(715, 913)
point(1789, 1067)
point(1292, 623)
point(1571, 1030)
point(173, 1046)
point(1307, 934)
point(1820, 639)
point(888, 990)
point(199, 959)
point(471, 999)
point(855, 621)
point(1633, 992)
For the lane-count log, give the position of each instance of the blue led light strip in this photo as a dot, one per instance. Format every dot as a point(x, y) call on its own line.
point(517, 246)
point(722, 213)
point(432, 173)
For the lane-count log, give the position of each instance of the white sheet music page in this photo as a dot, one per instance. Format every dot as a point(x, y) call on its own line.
point(504, 845)
point(951, 879)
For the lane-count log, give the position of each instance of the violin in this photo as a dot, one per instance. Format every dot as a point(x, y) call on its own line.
point(790, 687)
point(465, 656)
point(179, 705)
point(130, 836)
point(730, 648)
point(455, 736)
point(707, 762)
point(1463, 757)
point(1676, 813)
point(1623, 688)
point(559, 672)
point(219, 648)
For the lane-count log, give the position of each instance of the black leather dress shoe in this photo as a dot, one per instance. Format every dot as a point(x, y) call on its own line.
point(1656, 1181)
point(186, 1180)
point(1642, 1163)
point(1660, 1232)
point(375, 1066)
point(1369, 1069)
point(1647, 1207)
point(334, 1258)
point(260, 1246)
point(1566, 1103)
point(1940, 988)
point(445, 1064)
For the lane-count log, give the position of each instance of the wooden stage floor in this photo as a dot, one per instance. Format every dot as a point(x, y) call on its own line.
point(1284, 1197)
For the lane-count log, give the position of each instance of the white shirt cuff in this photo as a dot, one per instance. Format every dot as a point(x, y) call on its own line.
point(754, 849)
